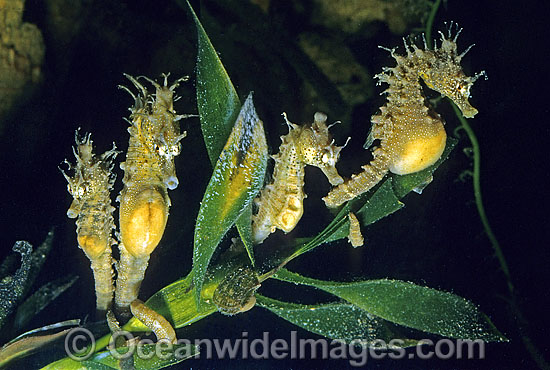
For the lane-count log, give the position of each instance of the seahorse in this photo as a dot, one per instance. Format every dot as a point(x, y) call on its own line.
point(148, 174)
point(411, 135)
point(90, 186)
point(280, 205)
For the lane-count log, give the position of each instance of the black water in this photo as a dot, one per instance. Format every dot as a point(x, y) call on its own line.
point(437, 240)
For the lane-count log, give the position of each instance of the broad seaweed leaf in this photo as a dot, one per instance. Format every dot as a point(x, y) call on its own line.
point(237, 178)
point(409, 305)
point(144, 358)
point(218, 105)
point(340, 321)
point(217, 100)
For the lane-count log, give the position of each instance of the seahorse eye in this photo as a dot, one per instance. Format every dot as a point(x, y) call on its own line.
point(325, 158)
point(175, 149)
point(161, 149)
point(463, 89)
point(80, 191)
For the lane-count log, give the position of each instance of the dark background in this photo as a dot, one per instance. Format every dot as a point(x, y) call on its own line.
point(437, 240)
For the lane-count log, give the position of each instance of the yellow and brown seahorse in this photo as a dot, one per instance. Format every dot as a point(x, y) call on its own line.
point(411, 135)
point(90, 185)
point(148, 174)
point(280, 205)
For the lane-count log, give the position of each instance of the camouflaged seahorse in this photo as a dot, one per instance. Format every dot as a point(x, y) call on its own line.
point(90, 185)
point(280, 205)
point(411, 135)
point(148, 174)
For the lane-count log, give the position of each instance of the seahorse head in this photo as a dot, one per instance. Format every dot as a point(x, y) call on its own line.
point(317, 148)
point(167, 147)
point(78, 185)
point(443, 73)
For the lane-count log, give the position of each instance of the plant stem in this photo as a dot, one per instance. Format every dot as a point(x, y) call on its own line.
point(513, 302)
point(479, 201)
point(430, 22)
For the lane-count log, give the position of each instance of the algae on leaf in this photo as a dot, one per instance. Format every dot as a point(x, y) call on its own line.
point(340, 321)
point(410, 305)
point(12, 287)
point(237, 178)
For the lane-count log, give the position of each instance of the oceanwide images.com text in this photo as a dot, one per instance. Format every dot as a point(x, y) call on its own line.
point(80, 345)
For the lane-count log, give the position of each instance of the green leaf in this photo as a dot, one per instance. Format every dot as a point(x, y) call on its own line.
point(379, 204)
point(330, 233)
point(402, 185)
point(13, 287)
point(176, 303)
point(27, 345)
point(374, 205)
point(409, 305)
point(146, 357)
point(244, 226)
point(218, 105)
point(237, 178)
point(217, 100)
point(40, 299)
point(341, 321)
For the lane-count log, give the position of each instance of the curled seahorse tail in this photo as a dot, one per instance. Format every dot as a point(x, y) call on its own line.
point(360, 183)
point(131, 270)
point(157, 323)
point(102, 268)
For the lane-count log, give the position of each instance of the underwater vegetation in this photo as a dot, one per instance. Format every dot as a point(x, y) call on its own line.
point(263, 200)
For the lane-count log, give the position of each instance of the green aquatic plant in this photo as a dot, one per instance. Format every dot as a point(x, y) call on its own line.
point(17, 306)
point(361, 312)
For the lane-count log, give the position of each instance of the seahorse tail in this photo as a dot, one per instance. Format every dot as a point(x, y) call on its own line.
point(157, 323)
point(360, 183)
point(131, 271)
point(102, 268)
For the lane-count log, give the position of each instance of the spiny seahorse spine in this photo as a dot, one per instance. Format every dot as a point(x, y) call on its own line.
point(280, 205)
point(412, 136)
point(148, 174)
point(90, 185)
